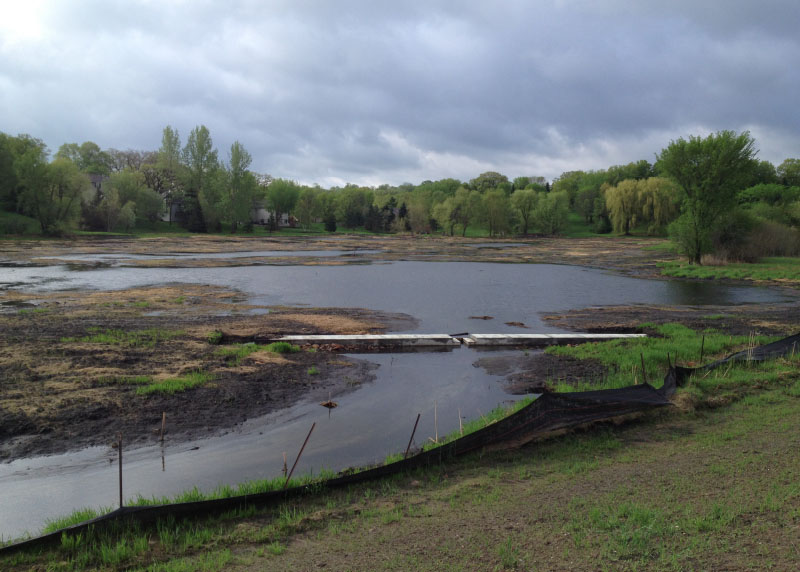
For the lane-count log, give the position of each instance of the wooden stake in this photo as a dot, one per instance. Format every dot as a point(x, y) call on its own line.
point(163, 424)
point(119, 450)
point(285, 468)
point(289, 476)
point(702, 347)
point(644, 372)
point(412, 436)
point(460, 423)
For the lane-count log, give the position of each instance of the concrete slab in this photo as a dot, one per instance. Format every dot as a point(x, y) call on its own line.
point(439, 340)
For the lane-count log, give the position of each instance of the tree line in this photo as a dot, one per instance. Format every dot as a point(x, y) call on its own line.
point(710, 194)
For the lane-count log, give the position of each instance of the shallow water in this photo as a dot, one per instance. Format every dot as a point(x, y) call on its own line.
point(370, 422)
point(442, 296)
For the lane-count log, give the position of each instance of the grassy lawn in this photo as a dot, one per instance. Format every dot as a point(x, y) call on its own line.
point(714, 486)
point(784, 269)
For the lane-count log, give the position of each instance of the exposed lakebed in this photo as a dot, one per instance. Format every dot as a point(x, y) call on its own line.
point(374, 418)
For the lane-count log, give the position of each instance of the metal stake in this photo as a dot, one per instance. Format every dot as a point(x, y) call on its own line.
point(412, 436)
point(286, 484)
point(119, 450)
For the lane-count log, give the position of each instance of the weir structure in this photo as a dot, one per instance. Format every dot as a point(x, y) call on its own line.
point(450, 340)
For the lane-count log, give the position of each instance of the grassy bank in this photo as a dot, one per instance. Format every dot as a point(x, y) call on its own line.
point(728, 498)
point(779, 269)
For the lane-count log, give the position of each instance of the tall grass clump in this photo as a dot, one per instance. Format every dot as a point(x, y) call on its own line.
point(174, 385)
point(238, 352)
point(282, 348)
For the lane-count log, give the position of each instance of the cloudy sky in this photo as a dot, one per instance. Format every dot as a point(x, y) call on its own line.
point(371, 92)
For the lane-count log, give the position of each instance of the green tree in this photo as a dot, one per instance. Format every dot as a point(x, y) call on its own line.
point(212, 199)
point(87, 156)
point(552, 212)
point(8, 176)
point(789, 172)
point(659, 198)
point(488, 181)
point(241, 187)
point(282, 197)
point(109, 208)
point(709, 172)
point(497, 212)
point(623, 205)
point(307, 206)
point(169, 154)
point(569, 182)
point(444, 213)
point(53, 195)
point(200, 159)
point(524, 202)
point(468, 206)
point(352, 204)
point(131, 187)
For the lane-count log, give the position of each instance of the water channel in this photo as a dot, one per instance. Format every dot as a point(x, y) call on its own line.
point(372, 420)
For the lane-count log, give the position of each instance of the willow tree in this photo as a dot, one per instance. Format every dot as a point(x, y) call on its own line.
point(658, 199)
point(624, 205)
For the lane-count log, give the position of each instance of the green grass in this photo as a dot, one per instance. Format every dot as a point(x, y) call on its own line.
point(236, 353)
point(577, 227)
point(25, 311)
point(146, 385)
point(775, 268)
point(667, 500)
point(80, 515)
point(141, 338)
point(175, 385)
point(623, 357)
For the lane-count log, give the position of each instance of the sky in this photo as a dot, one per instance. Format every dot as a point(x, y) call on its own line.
point(378, 92)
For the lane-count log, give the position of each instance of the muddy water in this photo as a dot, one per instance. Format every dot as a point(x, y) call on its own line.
point(443, 296)
point(370, 421)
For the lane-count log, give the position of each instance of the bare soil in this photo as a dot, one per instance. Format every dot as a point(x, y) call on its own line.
point(625, 255)
point(61, 393)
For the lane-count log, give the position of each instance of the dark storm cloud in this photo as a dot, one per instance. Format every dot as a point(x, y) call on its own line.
point(378, 92)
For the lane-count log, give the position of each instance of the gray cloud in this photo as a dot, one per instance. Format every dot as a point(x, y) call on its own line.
point(373, 92)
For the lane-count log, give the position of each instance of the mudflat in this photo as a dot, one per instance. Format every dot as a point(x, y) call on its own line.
point(73, 363)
